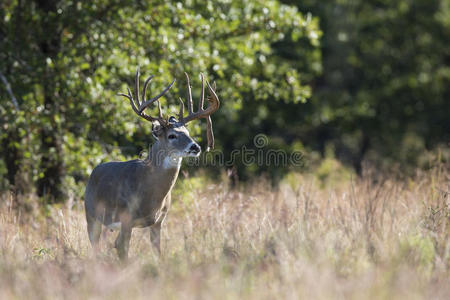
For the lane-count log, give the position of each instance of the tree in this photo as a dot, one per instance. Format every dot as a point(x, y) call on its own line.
point(383, 92)
point(66, 60)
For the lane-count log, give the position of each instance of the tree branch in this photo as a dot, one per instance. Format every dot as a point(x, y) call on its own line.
point(8, 89)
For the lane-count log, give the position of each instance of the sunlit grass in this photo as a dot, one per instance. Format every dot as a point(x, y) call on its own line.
point(371, 238)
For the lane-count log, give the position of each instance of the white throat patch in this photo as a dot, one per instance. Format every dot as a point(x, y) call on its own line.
point(170, 162)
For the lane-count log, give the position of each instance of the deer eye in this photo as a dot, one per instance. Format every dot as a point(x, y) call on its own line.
point(172, 136)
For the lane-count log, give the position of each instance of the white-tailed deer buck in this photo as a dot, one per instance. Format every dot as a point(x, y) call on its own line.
point(136, 193)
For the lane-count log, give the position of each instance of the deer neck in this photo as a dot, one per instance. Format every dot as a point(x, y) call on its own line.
point(161, 161)
point(159, 175)
point(161, 170)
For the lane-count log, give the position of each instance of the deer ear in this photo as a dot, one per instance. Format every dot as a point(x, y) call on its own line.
point(156, 129)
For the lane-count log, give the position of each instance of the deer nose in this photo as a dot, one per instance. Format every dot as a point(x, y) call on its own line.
point(194, 148)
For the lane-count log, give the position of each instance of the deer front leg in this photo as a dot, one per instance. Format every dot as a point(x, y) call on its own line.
point(122, 242)
point(155, 231)
point(94, 228)
point(155, 236)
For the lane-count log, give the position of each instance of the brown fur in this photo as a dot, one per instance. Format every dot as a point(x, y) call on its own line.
point(136, 193)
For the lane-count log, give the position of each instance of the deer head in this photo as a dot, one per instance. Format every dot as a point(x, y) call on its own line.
point(171, 133)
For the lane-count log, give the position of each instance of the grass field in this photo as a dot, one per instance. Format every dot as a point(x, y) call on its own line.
point(372, 238)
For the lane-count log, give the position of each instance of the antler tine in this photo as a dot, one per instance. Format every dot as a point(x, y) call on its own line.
point(213, 105)
point(130, 97)
point(138, 106)
point(181, 113)
point(202, 93)
point(144, 91)
point(209, 134)
point(159, 109)
point(145, 104)
point(133, 105)
point(136, 87)
point(189, 100)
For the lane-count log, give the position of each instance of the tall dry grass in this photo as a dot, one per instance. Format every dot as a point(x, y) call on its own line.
point(373, 238)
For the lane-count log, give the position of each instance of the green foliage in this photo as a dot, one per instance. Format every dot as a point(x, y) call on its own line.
point(383, 93)
point(376, 74)
point(330, 172)
point(66, 60)
point(419, 250)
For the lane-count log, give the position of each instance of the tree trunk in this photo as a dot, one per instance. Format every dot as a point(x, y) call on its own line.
point(52, 163)
point(357, 164)
point(11, 155)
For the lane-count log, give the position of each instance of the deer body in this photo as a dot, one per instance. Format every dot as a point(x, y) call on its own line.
point(134, 188)
point(136, 193)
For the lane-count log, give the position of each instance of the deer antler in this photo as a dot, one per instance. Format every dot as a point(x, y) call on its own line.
point(138, 105)
point(214, 104)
